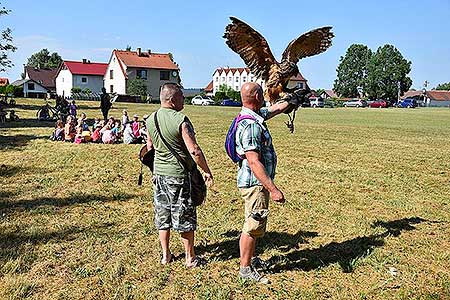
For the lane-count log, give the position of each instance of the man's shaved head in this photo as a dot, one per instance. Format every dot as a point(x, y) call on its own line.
point(252, 95)
point(168, 91)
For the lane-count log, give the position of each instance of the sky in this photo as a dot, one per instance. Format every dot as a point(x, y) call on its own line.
point(192, 31)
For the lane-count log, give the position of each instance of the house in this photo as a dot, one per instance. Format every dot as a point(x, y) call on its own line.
point(209, 89)
point(154, 68)
point(4, 81)
point(38, 83)
point(327, 94)
point(83, 74)
point(432, 98)
point(31, 88)
point(236, 77)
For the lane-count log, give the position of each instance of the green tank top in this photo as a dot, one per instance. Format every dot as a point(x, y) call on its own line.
point(166, 163)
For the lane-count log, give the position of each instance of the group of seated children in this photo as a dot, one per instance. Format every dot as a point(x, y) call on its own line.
point(103, 131)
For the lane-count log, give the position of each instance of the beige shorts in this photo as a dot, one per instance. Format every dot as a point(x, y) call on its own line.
point(256, 201)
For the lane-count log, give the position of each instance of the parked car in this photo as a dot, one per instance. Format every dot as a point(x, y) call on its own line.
point(355, 103)
point(378, 104)
point(230, 102)
point(201, 100)
point(316, 102)
point(407, 103)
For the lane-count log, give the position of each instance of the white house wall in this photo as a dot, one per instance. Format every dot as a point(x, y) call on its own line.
point(37, 89)
point(118, 81)
point(93, 82)
point(64, 83)
point(235, 81)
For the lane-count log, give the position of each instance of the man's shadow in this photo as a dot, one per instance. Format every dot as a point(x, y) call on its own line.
point(346, 254)
point(229, 248)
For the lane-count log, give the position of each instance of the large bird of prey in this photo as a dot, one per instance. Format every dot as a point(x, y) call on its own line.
point(255, 51)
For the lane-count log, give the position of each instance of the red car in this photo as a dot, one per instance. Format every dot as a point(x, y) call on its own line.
point(378, 104)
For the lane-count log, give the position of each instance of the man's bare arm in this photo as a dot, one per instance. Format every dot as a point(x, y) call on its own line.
point(258, 169)
point(277, 108)
point(188, 134)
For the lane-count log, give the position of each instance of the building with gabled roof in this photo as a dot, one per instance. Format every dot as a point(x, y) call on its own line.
point(43, 77)
point(154, 68)
point(82, 74)
point(236, 77)
point(432, 98)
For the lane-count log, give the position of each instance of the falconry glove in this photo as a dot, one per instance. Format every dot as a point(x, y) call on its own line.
point(296, 99)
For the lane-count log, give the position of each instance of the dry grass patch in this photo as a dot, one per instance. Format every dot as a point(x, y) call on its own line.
point(367, 212)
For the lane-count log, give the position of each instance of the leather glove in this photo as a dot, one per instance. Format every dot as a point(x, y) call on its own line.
point(296, 99)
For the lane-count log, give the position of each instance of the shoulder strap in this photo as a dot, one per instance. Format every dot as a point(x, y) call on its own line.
point(177, 156)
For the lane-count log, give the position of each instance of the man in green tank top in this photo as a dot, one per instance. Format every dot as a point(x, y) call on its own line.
point(171, 184)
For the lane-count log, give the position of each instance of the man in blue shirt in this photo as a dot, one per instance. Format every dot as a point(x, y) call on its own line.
point(256, 172)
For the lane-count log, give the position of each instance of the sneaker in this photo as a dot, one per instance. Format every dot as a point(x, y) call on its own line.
point(249, 273)
point(259, 264)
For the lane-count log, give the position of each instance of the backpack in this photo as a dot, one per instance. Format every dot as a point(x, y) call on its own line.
point(230, 140)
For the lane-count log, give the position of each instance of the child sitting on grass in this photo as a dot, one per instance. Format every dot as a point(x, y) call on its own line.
point(79, 136)
point(58, 133)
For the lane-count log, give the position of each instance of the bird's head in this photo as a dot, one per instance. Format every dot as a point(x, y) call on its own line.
point(288, 69)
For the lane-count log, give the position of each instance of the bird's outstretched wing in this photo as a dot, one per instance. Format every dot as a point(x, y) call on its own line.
point(308, 44)
point(251, 46)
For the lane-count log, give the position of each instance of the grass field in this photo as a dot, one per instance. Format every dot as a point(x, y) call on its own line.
point(367, 213)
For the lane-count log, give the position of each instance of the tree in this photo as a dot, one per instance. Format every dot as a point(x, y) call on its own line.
point(5, 44)
point(137, 87)
point(225, 92)
point(443, 86)
point(387, 74)
point(43, 59)
point(352, 71)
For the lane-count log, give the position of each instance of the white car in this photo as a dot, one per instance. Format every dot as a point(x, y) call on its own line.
point(200, 100)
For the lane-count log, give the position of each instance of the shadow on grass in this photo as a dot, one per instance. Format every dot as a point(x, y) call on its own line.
point(346, 253)
point(16, 141)
point(16, 248)
point(34, 107)
point(229, 248)
point(28, 123)
point(60, 202)
point(9, 171)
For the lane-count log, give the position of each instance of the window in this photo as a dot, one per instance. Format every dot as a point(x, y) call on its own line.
point(164, 75)
point(244, 79)
point(300, 85)
point(62, 79)
point(230, 78)
point(251, 79)
point(237, 79)
point(84, 80)
point(223, 78)
point(111, 88)
point(217, 79)
point(237, 88)
point(31, 86)
point(141, 74)
point(111, 74)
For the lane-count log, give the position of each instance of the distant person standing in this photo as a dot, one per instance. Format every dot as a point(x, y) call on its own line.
point(105, 103)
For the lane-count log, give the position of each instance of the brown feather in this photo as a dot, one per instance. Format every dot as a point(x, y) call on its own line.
point(251, 46)
point(308, 44)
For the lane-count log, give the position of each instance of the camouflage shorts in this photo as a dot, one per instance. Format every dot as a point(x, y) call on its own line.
point(172, 204)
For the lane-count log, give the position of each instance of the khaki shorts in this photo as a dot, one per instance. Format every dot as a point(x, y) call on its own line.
point(256, 201)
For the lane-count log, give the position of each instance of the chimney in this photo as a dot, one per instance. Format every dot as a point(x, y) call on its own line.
point(149, 51)
point(84, 60)
point(138, 50)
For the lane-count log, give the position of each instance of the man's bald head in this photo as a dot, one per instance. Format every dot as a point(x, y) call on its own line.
point(168, 91)
point(252, 95)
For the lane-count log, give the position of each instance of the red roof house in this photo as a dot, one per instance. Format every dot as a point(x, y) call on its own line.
point(154, 69)
point(85, 75)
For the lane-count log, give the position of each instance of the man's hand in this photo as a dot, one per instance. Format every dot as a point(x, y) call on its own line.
point(277, 195)
point(209, 180)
